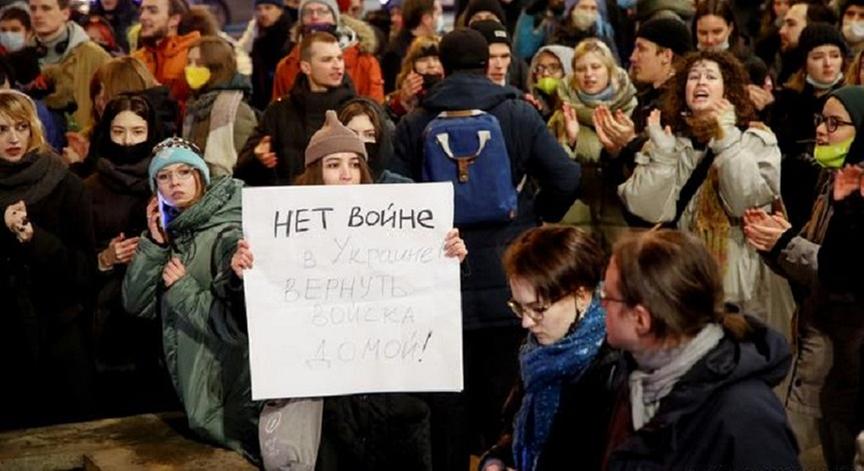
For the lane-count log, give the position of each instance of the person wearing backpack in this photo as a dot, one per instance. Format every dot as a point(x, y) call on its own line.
point(542, 183)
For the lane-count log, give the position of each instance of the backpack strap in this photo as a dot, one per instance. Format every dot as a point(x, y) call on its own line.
point(694, 181)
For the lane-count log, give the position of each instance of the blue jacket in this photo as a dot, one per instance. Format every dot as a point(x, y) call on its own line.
point(553, 183)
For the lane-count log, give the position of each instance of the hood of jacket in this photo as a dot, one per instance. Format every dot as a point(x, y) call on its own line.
point(219, 205)
point(564, 55)
point(623, 97)
point(763, 356)
point(645, 9)
point(349, 31)
point(465, 90)
point(174, 45)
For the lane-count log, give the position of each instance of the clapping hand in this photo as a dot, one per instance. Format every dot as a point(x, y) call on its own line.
point(17, 221)
point(847, 180)
point(763, 230)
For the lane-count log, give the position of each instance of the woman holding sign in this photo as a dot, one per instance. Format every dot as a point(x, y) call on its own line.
point(564, 398)
point(178, 275)
point(357, 432)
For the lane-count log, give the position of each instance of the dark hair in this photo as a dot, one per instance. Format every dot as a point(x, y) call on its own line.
point(178, 7)
point(218, 56)
point(199, 18)
point(63, 4)
point(312, 38)
point(672, 275)
point(735, 80)
point(358, 107)
point(13, 13)
point(413, 11)
point(134, 103)
point(313, 174)
point(556, 260)
point(818, 12)
point(719, 8)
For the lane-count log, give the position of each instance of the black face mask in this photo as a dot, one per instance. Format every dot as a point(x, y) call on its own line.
point(429, 80)
point(125, 155)
point(320, 28)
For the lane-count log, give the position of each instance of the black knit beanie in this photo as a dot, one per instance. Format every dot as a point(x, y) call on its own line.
point(493, 31)
point(852, 98)
point(493, 6)
point(820, 34)
point(463, 49)
point(669, 33)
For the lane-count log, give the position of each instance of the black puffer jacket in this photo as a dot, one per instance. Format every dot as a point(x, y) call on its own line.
point(290, 122)
point(533, 151)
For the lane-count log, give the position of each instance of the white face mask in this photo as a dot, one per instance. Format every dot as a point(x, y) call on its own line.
point(582, 19)
point(12, 41)
point(854, 32)
point(717, 48)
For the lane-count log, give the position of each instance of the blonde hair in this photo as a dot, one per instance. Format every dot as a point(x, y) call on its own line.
point(603, 52)
point(15, 107)
point(420, 47)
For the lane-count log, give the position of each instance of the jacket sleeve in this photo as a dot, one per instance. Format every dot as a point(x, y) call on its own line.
point(207, 309)
point(65, 260)
point(281, 79)
point(748, 165)
point(840, 258)
point(407, 151)
point(143, 278)
point(248, 168)
point(652, 190)
point(769, 442)
point(558, 176)
point(373, 82)
point(796, 258)
point(244, 126)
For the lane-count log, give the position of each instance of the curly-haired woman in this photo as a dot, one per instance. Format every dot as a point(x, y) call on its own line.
point(706, 168)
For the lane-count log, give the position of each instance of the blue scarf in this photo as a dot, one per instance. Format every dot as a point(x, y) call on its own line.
point(545, 369)
point(598, 98)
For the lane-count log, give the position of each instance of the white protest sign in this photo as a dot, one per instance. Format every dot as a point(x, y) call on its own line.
point(350, 291)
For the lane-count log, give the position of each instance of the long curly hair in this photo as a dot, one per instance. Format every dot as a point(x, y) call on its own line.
point(735, 80)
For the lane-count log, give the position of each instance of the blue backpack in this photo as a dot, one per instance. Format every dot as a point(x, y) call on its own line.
point(467, 148)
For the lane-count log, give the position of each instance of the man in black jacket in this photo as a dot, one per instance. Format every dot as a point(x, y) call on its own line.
point(273, 155)
point(492, 334)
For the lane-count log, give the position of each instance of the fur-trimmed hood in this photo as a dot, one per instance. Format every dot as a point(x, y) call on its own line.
point(350, 32)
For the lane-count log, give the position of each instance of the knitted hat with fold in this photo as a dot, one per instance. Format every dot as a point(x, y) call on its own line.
point(331, 4)
point(175, 150)
point(492, 6)
point(332, 138)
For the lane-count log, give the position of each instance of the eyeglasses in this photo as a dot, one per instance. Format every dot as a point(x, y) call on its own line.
point(605, 298)
point(316, 12)
point(831, 122)
point(182, 174)
point(550, 69)
point(534, 313)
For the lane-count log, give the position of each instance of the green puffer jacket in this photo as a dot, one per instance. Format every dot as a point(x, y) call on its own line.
point(204, 330)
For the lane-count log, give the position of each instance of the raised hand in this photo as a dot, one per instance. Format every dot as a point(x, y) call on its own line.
point(15, 217)
point(663, 139)
point(760, 97)
point(154, 222)
point(264, 153)
point(119, 251)
point(411, 86)
point(454, 246)
point(763, 230)
point(173, 271)
point(571, 123)
point(242, 258)
point(847, 180)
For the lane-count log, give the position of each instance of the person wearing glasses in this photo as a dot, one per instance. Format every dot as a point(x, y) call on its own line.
point(180, 275)
point(563, 401)
point(703, 167)
point(694, 389)
point(548, 68)
point(823, 47)
point(830, 322)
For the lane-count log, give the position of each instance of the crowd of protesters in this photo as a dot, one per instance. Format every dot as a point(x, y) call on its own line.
point(684, 260)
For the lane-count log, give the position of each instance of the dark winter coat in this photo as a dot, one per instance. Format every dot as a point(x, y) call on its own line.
point(533, 152)
point(375, 432)
point(267, 50)
point(721, 414)
point(391, 60)
point(579, 427)
point(44, 285)
point(290, 122)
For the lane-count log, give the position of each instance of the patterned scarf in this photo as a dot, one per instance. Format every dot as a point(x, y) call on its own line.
point(545, 369)
point(710, 221)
